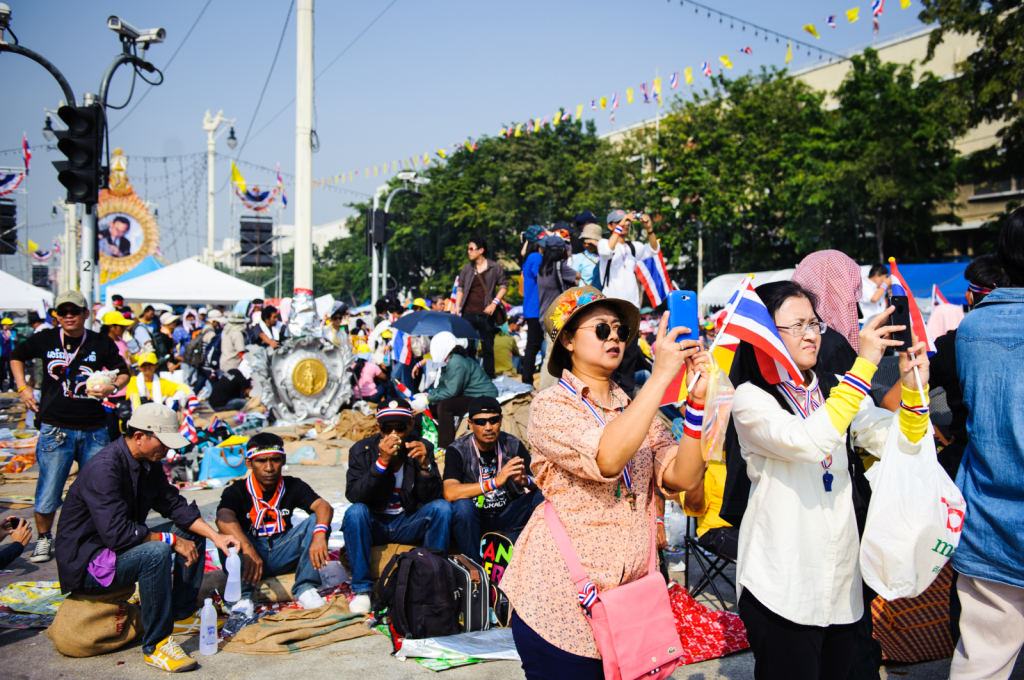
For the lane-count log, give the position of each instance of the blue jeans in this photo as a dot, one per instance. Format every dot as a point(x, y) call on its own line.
point(167, 596)
point(283, 553)
point(470, 522)
point(403, 374)
point(364, 529)
point(56, 450)
point(234, 404)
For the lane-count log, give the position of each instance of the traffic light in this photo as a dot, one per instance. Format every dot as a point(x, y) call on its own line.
point(8, 227)
point(257, 244)
point(381, 233)
point(82, 143)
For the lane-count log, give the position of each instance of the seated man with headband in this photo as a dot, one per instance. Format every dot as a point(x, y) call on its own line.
point(487, 480)
point(258, 512)
point(395, 490)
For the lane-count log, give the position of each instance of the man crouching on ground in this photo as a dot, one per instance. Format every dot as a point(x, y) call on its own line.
point(103, 543)
point(258, 512)
point(395, 490)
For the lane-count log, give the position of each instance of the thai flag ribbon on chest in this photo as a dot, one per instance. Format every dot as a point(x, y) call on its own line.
point(654, 277)
point(750, 321)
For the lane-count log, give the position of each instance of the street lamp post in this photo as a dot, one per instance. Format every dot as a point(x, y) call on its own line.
point(211, 124)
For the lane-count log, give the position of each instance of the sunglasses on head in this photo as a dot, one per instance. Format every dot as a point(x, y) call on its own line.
point(388, 428)
point(603, 331)
point(480, 422)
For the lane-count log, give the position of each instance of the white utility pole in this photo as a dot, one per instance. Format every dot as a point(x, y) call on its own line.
point(304, 147)
point(211, 125)
point(69, 281)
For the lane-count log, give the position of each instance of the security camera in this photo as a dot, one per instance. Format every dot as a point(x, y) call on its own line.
point(152, 36)
point(406, 176)
point(122, 28)
point(422, 181)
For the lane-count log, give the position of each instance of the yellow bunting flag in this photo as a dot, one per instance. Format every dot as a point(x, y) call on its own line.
point(579, 111)
point(604, 103)
point(519, 129)
point(440, 152)
point(536, 124)
point(502, 133)
point(558, 117)
point(789, 52)
point(688, 73)
point(629, 95)
point(236, 177)
point(853, 14)
point(725, 61)
point(812, 30)
point(656, 86)
point(904, 4)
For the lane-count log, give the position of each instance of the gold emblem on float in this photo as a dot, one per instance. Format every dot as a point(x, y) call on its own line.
point(309, 376)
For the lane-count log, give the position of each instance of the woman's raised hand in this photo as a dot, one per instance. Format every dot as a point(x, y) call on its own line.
point(670, 356)
point(872, 337)
point(699, 363)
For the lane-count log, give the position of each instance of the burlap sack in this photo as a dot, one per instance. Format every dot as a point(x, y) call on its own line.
point(294, 630)
point(88, 625)
point(355, 426)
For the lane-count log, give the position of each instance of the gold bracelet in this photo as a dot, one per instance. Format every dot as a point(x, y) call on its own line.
point(23, 387)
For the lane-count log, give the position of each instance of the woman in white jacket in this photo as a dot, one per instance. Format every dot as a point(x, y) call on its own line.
point(797, 569)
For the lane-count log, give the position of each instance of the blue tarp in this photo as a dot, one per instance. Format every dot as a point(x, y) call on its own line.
point(150, 264)
point(948, 277)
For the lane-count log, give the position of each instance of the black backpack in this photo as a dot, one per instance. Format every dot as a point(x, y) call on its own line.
point(419, 592)
point(194, 351)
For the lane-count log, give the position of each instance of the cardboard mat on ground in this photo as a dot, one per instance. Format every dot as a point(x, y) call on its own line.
point(296, 630)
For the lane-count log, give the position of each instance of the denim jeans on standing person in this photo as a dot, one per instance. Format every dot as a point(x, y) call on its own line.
point(485, 329)
point(470, 522)
point(167, 596)
point(56, 450)
point(364, 529)
point(284, 553)
point(201, 377)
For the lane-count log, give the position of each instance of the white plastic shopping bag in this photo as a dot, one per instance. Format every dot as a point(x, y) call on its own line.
point(914, 519)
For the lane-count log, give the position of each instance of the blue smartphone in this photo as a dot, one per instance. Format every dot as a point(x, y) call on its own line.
point(682, 311)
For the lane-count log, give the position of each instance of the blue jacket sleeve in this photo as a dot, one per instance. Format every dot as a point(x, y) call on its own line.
point(9, 553)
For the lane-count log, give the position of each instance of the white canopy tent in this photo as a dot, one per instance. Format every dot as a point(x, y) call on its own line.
point(717, 291)
point(16, 295)
point(186, 282)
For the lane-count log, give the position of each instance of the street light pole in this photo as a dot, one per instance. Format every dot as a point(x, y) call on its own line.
point(304, 147)
point(210, 124)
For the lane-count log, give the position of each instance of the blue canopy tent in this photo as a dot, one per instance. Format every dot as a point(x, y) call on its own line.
point(148, 265)
point(948, 277)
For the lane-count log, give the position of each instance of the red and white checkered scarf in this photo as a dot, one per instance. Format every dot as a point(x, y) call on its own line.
point(836, 281)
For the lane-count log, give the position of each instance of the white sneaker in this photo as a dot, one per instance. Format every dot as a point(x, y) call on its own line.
point(360, 604)
point(311, 599)
point(42, 549)
point(244, 606)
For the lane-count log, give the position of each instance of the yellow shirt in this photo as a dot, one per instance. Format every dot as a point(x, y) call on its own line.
point(714, 490)
point(168, 388)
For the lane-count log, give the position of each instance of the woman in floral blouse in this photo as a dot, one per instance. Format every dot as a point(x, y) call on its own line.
point(597, 469)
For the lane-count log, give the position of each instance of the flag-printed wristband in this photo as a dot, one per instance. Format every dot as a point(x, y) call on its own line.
point(381, 466)
point(321, 529)
point(496, 301)
point(488, 485)
point(661, 520)
point(168, 538)
point(693, 419)
point(620, 230)
point(857, 383)
point(919, 410)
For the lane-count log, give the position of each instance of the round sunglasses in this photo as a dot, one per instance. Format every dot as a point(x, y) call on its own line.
point(603, 331)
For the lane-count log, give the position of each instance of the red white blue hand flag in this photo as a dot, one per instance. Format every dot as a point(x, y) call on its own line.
point(654, 276)
point(615, 101)
point(900, 287)
point(673, 82)
point(643, 89)
point(593, 104)
point(747, 50)
point(26, 152)
point(401, 347)
point(455, 290)
point(750, 321)
point(56, 247)
point(877, 7)
point(831, 20)
point(705, 68)
point(937, 297)
point(402, 389)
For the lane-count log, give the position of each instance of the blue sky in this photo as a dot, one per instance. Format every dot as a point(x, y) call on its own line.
point(424, 76)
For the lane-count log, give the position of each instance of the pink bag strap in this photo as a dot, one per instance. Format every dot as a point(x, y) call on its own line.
point(584, 587)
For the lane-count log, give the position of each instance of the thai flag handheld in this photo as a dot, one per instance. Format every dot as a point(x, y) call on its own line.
point(401, 348)
point(900, 287)
point(654, 276)
point(405, 391)
point(751, 321)
point(937, 297)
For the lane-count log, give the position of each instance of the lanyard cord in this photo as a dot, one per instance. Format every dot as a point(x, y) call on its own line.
point(480, 464)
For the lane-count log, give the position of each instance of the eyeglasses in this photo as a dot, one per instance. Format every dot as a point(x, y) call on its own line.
point(472, 248)
point(68, 311)
point(396, 427)
point(798, 330)
point(604, 330)
point(480, 422)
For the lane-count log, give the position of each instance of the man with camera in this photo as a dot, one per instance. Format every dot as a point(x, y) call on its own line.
point(487, 480)
point(20, 532)
point(619, 255)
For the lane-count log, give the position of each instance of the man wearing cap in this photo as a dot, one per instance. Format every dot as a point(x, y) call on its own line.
point(481, 289)
point(73, 421)
point(7, 339)
point(487, 480)
point(396, 494)
point(258, 512)
point(586, 262)
point(104, 543)
point(619, 256)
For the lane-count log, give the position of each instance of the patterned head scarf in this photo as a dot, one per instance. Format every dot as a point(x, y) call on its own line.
point(836, 281)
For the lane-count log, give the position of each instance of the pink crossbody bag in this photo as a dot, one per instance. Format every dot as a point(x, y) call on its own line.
point(633, 624)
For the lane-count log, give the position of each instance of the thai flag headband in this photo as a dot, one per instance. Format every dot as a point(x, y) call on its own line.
point(265, 451)
point(394, 412)
point(974, 288)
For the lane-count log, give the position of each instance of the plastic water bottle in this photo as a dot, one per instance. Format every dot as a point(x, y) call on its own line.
point(233, 590)
point(208, 629)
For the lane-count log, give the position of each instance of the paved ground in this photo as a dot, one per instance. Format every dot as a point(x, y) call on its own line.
point(29, 655)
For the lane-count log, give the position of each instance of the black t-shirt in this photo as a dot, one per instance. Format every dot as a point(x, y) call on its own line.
point(230, 386)
point(63, 401)
point(297, 494)
point(942, 367)
point(494, 502)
